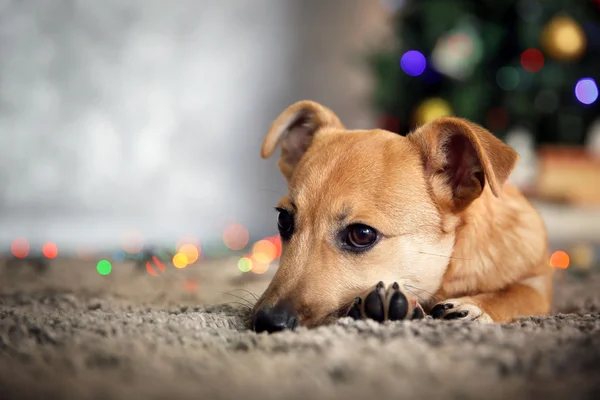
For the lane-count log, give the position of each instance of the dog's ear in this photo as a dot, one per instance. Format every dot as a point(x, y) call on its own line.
point(294, 128)
point(465, 156)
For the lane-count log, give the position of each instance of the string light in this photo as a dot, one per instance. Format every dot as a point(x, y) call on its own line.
point(507, 78)
point(132, 241)
point(245, 264)
point(413, 63)
point(236, 237)
point(180, 260)
point(532, 60)
point(586, 91)
point(264, 251)
point(560, 259)
point(190, 252)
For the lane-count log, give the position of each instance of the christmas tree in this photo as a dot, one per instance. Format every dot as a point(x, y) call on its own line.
point(505, 64)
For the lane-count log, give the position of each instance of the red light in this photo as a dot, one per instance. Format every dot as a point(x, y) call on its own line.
point(50, 250)
point(532, 60)
point(20, 248)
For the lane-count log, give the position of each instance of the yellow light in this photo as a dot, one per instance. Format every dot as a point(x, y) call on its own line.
point(564, 39)
point(244, 264)
point(191, 253)
point(260, 268)
point(264, 251)
point(180, 260)
point(431, 109)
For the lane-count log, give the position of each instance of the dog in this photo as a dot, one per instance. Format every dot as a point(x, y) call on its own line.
point(389, 227)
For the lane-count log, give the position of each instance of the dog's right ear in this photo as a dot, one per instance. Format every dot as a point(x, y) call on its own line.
point(295, 128)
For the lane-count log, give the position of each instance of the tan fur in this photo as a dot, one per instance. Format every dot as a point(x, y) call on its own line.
point(480, 247)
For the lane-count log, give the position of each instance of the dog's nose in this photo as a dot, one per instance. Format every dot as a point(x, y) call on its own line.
point(274, 319)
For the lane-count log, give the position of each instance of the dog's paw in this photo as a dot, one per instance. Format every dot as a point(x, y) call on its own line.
point(385, 304)
point(463, 309)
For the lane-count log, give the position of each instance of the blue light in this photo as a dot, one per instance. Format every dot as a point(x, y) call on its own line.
point(413, 63)
point(586, 90)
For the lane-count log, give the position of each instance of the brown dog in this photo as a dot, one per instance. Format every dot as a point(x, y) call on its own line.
point(377, 225)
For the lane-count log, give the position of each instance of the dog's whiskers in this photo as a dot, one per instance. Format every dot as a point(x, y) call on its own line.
point(248, 302)
point(246, 306)
point(412, 289)
point(247, 291)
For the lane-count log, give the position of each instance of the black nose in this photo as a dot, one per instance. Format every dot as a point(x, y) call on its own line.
point(274, 319)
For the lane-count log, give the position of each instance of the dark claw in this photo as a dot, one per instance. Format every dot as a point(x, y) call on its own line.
point(418, 313)
point(437, 312)
point(398, 306)
point(354, 312)
point(457, 315)
point(374, 305)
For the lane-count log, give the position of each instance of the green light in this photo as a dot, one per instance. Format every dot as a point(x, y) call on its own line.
point(507, 78)
point(245, 264)
point(104, 267)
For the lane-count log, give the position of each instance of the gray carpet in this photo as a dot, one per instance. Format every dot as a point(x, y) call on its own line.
point(60, 343)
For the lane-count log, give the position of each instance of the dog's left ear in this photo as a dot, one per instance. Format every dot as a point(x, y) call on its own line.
point(295, 128)
point(465, 156)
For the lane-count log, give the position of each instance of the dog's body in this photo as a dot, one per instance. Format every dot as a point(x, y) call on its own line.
point(428, 216)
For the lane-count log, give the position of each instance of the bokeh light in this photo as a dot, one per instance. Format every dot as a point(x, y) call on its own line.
point(20, 247)
point(432, 109)
point(259, 267)
point(104, 267)
point(191, 285)
point(264, 251)
point(508, 78)
point(50, 250)
point(413, 63)
point(119, 256)
point(191, 253)
point(180, 260)
point(461, 45)
point(532, 60)
point(244, 264)
point(276, 240)
point(236, 237)
point(559, 259)
point(132, 241)
point(586, 91)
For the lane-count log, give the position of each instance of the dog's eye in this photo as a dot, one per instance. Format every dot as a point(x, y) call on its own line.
point(361, 236)
point(285, 223)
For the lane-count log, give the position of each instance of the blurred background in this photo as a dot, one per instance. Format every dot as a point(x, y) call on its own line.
point(131, 130)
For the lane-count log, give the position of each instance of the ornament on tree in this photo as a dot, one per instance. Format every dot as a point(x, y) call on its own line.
point(563, 39)
point(457, 53)
point(525, 173)
point(431, 109)
point(593, 139)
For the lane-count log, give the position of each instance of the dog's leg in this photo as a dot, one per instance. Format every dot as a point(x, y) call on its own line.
point(386, 304)
point(527, 298)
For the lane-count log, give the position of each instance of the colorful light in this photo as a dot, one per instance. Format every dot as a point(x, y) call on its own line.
point(191, 285)
point(180, 260)
point(276, 240)
point(461, 45)
point(532, 60)
point(119, 256)
point(20, 247)
point(50, 250)
point(236, 237)
point(191, 253)
point(413, 63)
point(559, 259)
point(260, 268)
point(244, 264)
point(104, 267)
point(507, 78)
point(264, 251)
point(586, 91)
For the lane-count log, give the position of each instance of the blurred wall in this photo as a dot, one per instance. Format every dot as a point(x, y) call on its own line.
point(149, 114)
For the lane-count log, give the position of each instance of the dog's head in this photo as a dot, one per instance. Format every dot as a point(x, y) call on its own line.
point(369, 205)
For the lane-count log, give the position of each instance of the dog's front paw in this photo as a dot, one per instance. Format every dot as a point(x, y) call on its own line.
point(463, 309)
point(385, 304)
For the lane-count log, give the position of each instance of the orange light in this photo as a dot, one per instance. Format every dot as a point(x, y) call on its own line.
point(264, 251)
point(151, 269)
point(236, 237)
point(20, 247)
point(191, 253)
point(260, 268)
point(191, 285)
point(560, 259)
point(50, 250)
point(276, 240)
point(132, 241)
